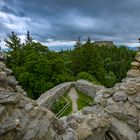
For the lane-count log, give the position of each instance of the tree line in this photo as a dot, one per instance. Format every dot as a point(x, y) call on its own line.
point(38, 69)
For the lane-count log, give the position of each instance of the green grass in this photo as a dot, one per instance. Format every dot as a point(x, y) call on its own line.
point(69, 109)
point(84, 100)
point(60, 103)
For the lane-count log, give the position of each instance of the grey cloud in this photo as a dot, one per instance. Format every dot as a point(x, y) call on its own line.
point(116, 20)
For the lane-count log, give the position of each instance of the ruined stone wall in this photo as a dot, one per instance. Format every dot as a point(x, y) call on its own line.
point(104, 43)
point(20, 117)
point(88, 88)
point(48, 98)
point(116, 115)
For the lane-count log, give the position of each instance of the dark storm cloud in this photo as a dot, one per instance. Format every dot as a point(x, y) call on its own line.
point(116, 20)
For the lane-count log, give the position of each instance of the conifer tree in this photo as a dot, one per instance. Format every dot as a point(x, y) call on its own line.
point(28, 39)
point(13, 41)
point(88, 40)
point(78, 43)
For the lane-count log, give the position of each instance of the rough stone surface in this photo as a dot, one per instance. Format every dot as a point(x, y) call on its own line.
point(2, 66)
point(87, 87)
point(11, 81)
point(122, 130)
point(135, 64)
point(133, 73)
point(117, 112)
point(119, 96)
point(137, 56)
point(47, 99)
point(84, 131)
point(139, 135)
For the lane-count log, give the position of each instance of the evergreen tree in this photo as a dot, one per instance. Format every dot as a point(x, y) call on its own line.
point(88, 40)
point(14, 51)
point(13, 41)
point(78, 43)
point(107, 64)
point(28, 39)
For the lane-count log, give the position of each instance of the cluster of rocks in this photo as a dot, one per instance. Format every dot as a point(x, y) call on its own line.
point(122, 103)
point(115, 116)
point(135, 71)
point(8, 82)
point(91, 123)
point(20, 117)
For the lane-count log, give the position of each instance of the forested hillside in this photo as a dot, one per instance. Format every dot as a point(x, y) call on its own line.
point(38, 69)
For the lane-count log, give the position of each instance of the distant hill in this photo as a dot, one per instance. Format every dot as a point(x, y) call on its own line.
point(59, 48)
point(132, 48)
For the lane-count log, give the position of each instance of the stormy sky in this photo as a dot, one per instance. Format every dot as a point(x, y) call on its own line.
point(61, 22)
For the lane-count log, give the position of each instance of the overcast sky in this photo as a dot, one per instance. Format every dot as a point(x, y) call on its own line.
point(61, 22)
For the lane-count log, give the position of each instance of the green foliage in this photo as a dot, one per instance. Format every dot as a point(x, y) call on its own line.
point(107, 64)
point(88, 77)
point(13, 41)
point(38, 69)
point(84, 100)
point(110, 79)
point(60, 103)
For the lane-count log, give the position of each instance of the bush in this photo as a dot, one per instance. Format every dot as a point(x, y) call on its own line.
point(88, 77)
point(60, 103)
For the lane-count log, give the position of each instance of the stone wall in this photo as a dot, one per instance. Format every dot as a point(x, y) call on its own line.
point(48, 98)
point(88, 88)
point(135, 71)
point(20, 117)
point(104, 43)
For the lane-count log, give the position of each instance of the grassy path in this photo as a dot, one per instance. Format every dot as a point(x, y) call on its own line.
point(73, 96)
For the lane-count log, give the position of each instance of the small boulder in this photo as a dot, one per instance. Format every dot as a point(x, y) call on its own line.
point(135, 64)
point(19, 89)
point(119, 96)
point(10, 80)
point(122, 131)
point(8, 97)
point(2, 108)
point(116, 111)
point(73, 125)
point(133, 73)
point(8, 71)
point(2, 66)
point(137, 99)
point(68, 136)
point(138, 56)
point(3, 76)
point(84, 131)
